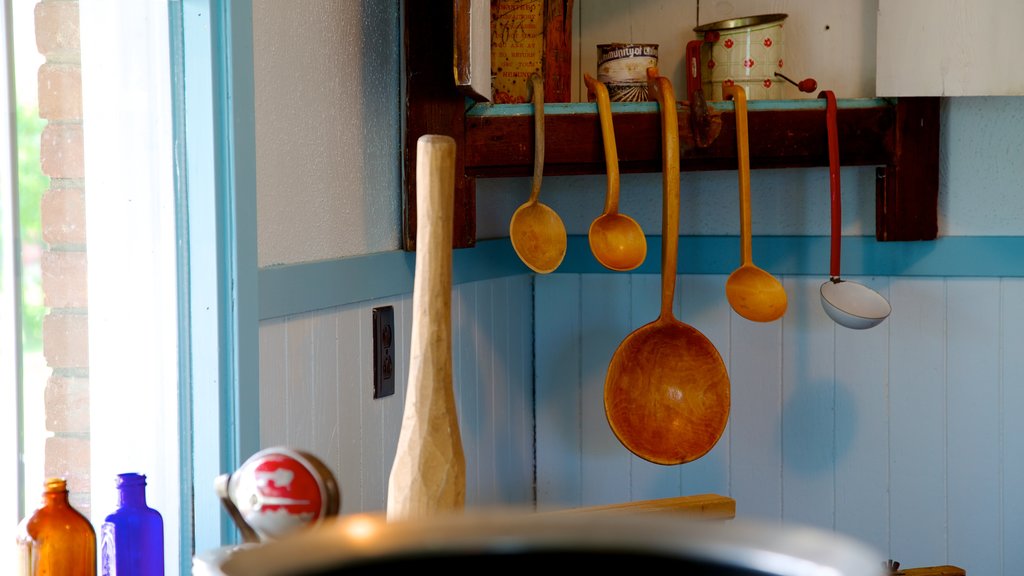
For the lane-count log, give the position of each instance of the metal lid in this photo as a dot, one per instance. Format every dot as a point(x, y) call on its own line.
point(735, 23)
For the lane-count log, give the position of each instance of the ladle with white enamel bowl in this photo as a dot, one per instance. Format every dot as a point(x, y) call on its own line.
point(849, 304)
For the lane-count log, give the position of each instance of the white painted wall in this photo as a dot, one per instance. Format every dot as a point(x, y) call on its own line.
point(328, 141)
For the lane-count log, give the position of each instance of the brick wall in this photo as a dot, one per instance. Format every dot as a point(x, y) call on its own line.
point(65, 327)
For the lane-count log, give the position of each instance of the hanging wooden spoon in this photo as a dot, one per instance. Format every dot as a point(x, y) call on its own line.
point(616, 240)
point(667, 394)
point(752, 292)
point(537, 232)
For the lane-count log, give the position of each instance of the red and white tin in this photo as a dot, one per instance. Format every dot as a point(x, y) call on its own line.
point(744, 51)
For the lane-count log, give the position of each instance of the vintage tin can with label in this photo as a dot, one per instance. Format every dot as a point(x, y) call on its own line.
point(622, 68)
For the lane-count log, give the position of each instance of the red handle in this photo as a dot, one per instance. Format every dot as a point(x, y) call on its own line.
point(833, 167)
point(693, 79)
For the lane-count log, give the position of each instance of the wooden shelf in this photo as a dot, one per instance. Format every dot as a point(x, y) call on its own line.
point(784, 134)
point(899, 136)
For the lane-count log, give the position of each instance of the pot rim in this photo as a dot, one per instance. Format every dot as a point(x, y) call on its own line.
point(736, 23)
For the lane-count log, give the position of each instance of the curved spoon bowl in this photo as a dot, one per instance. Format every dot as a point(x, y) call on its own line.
point(617, 241)
point(538, 237)
point(755, 294)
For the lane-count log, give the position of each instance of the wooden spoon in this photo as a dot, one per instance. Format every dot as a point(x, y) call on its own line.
point(752, 292)
point(617, 241)
point(667, 394)
point(428, 475)
point(537, 233)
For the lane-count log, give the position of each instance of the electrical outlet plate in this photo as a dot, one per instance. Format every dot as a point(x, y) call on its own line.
point(383, 351)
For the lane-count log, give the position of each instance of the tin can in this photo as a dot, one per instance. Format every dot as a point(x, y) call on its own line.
point(743, 51)
point(622, 68)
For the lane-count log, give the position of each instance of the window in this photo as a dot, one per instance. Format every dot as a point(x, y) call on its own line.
point(119, 288)
point(97, 260)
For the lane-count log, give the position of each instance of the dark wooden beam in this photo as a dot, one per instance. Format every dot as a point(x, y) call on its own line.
point(907, 187)
point(433, 105)
point(498, 146)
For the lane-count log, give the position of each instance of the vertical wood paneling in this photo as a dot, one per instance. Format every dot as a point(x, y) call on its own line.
point(862, 431)
point(317, 390)
point(392, 407)
point(326, 385)
point(520, 405)
point(469, 421)
point(350, 417)
point(371, 458)
point(557, 389)
point(604, 322)
point(502, 440)
point(917, 421)
point(703, 306)
point(756, 442)
point(649, 480)
point(299, 381)
point(904, 436)
point(972, 360)
point(486, 395)
point(808, 406)
point(1011, 424)
point(273, 425)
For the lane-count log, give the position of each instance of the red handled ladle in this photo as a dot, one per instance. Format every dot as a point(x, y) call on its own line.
point(848, 303)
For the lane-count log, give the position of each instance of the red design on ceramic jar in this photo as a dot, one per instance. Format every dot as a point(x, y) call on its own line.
point(767, 42)
point(748, 63)
point(728, 43)
point(780, 62)
point(727, 82)
point(711, 64)
point(767, 83)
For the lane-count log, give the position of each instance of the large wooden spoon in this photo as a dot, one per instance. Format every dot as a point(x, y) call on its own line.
point(752, 292)
point(428, 475)
point(667, 394)
point(537, 232)
point(616, 240)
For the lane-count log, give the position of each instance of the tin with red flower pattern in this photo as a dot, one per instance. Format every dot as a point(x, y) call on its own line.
point(745, 51)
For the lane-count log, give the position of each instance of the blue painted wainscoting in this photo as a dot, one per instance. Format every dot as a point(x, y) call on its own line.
point(907, 436)
point(316, 391)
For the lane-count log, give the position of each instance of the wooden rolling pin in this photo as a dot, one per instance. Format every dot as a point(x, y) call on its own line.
point(429, 472)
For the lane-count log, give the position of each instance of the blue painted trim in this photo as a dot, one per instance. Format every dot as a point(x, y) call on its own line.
point(494, 110)
point(221, 270)
point(299, 288)
point(975, 256)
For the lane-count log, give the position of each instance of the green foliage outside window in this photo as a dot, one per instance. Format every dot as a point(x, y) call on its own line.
point(31, 185)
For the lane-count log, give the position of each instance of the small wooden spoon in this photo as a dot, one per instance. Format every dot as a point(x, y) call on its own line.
point(537, 232)
point(752, 292)
point(617, 241)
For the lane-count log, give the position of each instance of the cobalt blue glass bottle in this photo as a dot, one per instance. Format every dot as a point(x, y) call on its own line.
point(132, 538)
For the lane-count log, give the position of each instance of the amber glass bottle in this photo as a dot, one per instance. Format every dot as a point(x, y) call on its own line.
point(56, 540)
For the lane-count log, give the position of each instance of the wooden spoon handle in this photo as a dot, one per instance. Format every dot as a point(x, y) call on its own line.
point(739, 97)
point(661, 88)
point(429, 471)
point(611, 154)
point(537, 84)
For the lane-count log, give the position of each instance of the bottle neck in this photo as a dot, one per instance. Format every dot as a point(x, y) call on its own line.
point(134, 495)
point(55, 493)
